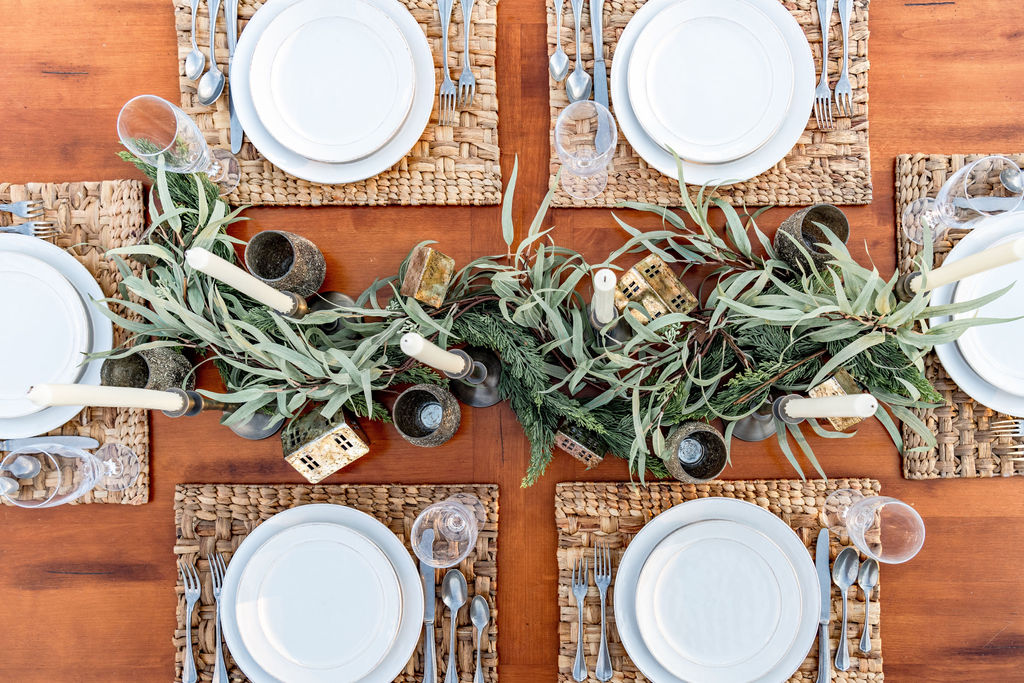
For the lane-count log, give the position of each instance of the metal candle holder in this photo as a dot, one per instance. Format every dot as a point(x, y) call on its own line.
point(286, 261)
point(478, 383)
point(618, 333)
point(761, 425)
point(903, 290)
point(259, 426)
point(704, 459)
point(426, 415)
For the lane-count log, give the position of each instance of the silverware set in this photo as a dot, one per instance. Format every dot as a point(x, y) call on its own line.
point(580, 582)
point(32, 209)
point(452, 97)
point(193, 589)
point(211, 83)
point(844, 91)
point(580, 84)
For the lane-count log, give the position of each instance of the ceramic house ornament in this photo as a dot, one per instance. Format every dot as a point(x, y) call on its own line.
point(428, 276)
point(317, 447)
point(840, 384)
point(653, 285)
point(581, 444)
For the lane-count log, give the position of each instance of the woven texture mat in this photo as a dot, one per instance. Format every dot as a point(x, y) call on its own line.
point(94, 217)
point(615, 512)
point(218, 517)
point(966, 446)
point(448, 165)
point(824, 166)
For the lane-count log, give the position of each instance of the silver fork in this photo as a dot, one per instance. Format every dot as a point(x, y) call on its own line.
point(580, 574)
point(190, 580)
point(467, 81)
point(822, 94)
point(447, 95)
point(844, 93)
point(42, 229)
point(217, 570)
point(603, 579)
point(30, 208)
point(1008, 428)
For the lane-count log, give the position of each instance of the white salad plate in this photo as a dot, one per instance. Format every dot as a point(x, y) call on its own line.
point(292, 161)
point(46, 331)
point(332, 81)
point(100, 330)
point(736, 170)
point(284, 564)
point(714, 603)
point(985, 234)
point(711, 120)
point(804, 606)
point(318, 601)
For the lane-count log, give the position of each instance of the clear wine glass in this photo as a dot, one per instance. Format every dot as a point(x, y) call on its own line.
point(585, 139)
point(153, 129)
point(444, 533)
point(883, 528)
point(66, 473)
point(989, 186)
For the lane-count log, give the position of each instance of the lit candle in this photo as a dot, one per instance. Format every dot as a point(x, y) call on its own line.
point(995, 257)
point(431, 354)
point(230, 274)
point(604, 296)
point(858, 405)
point(47, 395)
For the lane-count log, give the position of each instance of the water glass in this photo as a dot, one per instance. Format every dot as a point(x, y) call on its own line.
point(883, 528)
point(453, 525)
point(585, 139)
point(155, 130)
point(50, 475)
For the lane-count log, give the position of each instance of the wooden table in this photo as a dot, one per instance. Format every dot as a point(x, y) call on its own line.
point(87, 591)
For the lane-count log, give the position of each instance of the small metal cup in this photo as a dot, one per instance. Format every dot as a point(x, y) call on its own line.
point(426, 415)
point(160, 369)
point(286, 262)
point(803, 226)
point(695, 453)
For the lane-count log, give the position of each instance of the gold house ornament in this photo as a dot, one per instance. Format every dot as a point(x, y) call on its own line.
point(428, 276)
point(653, 285)
point(840, 384)
point(582, 444)
point(318, 447)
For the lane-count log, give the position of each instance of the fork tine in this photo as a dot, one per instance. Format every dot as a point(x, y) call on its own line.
point(817, 112)
point(1005, 422)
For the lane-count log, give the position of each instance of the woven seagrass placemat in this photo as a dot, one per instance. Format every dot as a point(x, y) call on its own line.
point(966, 446)
point(824, 166)
point(94, 217)
point(217, 518)
point(614, 513)
point(448, 165)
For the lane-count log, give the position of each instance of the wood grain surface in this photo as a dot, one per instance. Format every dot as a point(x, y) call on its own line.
point(87, 592)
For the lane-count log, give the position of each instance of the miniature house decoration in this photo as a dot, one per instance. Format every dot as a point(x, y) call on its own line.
point(840, 384)
point(317, 447)
point(580, 443)
point(428, 276)
point(653, 285)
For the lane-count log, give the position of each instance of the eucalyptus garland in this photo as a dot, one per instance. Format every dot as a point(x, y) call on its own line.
point(764, 327)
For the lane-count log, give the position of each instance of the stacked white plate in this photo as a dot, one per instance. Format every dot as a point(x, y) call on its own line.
point(984, 361)
point(322, 593)
point(49, 322)
point(717, 590)
point(725, 84)
point(333, 92)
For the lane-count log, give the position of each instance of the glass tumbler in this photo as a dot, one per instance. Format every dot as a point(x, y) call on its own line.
point(883, 528)
point(585, 139)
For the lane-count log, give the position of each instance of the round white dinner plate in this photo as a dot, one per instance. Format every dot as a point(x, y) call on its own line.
point(991, 350)
point(986, 233)
point(702, 510)
point(100, 328)
point(737, 170)
point(318, 171)
point(410, 587)
point(715, 602)
point(45, 331)
point(711, 120)
point(332, 81)
point(318, 601)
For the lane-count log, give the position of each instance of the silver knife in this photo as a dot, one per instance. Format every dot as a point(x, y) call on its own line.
point(989, 204)
point(427, 573)
point(231, 15)
point(600, 73)
point(825, 581)
point(83, 442)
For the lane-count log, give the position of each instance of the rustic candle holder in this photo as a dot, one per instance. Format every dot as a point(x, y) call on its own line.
point(159, 369)
point(695, 453)
point(258, 427)
point(286, 262)
point(478, 383)
point(804, 227)
point(618, 333)
point(426, 415)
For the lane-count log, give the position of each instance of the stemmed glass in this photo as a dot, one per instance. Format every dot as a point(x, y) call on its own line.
point(989, 186)
point(67, 473)
point(883, 528)
point(585, 138)
point(444, 533)
point(153, 129)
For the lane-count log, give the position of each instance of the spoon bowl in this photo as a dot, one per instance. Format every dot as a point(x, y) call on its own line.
point(558, 65)
point(1012, 180)
point(578, 86)
point(194, 63)
point(867, 579)
point(210, 87)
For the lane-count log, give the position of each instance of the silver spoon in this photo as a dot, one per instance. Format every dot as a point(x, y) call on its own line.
point(579, 83)
point(480, 615)
point(867, 580)
point(211, 85)
point(453, 594)
point(558, 65)
point(196, 60)
point(1011, 180)
point(844, 575)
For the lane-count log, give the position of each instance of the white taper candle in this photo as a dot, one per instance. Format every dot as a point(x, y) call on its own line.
point(431, 354)
point(995, 257)
point(604, 295)
point(207, 262)
point(104, 397)
point(857, 405)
